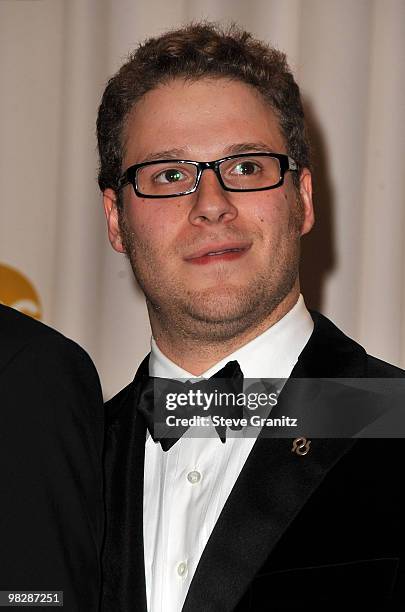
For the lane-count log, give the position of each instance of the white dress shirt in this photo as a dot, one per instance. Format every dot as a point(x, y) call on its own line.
point(186, 487)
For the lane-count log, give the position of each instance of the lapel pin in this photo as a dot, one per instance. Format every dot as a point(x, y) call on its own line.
point(300, 446)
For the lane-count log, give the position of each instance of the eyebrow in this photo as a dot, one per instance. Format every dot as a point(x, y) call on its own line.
point(234, 149)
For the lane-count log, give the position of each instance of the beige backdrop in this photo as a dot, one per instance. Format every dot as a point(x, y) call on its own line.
point(55, 58)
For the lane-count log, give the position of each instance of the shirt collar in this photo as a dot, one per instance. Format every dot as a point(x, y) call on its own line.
point(272, 354)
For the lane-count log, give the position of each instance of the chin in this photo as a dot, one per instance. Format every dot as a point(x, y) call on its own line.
point(220, 304)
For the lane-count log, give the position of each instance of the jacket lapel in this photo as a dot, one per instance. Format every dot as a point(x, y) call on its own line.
point(123, 554)
point(271, 490)
point(273, 485)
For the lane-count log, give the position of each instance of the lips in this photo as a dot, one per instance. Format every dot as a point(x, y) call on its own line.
point(214, 252)
point(211, 250)
point(225, 251)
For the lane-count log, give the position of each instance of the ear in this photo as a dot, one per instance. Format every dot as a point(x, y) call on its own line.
point(111, 214)
point(306, 199)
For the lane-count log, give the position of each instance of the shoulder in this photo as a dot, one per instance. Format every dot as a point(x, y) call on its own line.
point(21, 337)
point(330, 352)
point(17, 329)
point(376, 368)
point(40, 366)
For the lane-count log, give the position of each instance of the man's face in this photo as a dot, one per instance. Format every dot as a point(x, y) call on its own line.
point(167, 240)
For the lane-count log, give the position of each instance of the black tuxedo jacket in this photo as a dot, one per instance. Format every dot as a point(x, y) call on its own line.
point(51, 435)
point(320, 531)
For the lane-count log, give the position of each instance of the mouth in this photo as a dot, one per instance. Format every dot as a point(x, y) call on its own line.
point(219, 252)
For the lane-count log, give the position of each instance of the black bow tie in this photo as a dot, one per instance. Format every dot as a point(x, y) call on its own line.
point(153, 403)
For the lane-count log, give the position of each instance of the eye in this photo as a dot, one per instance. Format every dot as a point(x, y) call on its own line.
point(169, 175)
point(246, 168)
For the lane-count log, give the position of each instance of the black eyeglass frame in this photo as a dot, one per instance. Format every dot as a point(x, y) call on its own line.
point(130, 175)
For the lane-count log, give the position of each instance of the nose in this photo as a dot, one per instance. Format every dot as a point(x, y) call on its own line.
point(211, 202)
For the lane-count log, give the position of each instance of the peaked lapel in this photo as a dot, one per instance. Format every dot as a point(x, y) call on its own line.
point(124, 455)
point(273, 485)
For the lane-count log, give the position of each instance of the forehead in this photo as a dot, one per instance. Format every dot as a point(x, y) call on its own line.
point(201, 118)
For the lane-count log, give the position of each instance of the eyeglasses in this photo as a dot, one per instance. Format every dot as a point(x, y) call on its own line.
point(169, 178)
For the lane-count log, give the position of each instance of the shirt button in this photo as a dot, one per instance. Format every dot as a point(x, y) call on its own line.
point(182, 569)
point(194, 477)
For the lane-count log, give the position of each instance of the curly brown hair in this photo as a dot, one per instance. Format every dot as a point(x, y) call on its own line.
point(195, 51)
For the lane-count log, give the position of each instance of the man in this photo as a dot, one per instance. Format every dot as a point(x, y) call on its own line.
point(51, 435)
point(247, 524)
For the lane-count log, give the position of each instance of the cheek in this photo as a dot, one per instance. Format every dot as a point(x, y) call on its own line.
point(274, 227)
point(269, 216)
point(147, 221)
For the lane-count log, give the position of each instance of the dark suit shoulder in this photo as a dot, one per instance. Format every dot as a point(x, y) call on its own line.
point(21, 336)
point(326, 333)
point(331, 353)
point(20, 327)
point(376, 368)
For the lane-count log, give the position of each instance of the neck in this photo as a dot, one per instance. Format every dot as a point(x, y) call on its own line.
point(197, 355)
